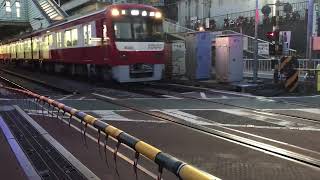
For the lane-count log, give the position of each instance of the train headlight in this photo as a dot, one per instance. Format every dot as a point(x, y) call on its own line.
point(115, 12)
point(152, 14)
point(144, 13)
point(135, 12)
point(158, 15)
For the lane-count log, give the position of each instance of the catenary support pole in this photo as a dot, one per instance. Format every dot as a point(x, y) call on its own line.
point(255, 62)
point(309, 31)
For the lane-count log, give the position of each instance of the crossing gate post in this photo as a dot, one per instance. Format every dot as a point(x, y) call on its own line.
point(318, 77)
point(289, 69)
point(275, 66)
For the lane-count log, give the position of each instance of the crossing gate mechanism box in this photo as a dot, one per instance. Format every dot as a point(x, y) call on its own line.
point(175, 59)
point(229, 58)
point(198, 55)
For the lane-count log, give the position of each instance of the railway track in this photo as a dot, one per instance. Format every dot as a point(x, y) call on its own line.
point(266, 145)
point(173, 93)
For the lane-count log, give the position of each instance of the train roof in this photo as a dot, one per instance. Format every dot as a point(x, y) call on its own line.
point(78, 19)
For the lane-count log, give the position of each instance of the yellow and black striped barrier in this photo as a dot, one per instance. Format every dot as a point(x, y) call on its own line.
point(318, 77)
point(181, 169)
point(288, 67)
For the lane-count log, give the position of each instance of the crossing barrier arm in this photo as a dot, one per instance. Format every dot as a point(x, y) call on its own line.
point(181, 169)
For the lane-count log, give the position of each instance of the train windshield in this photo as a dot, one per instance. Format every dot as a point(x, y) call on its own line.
point(138, 29)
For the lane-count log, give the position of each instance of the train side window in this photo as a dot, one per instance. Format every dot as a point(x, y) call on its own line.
point(71, 38)
point(35, 44)
point(48, 40)
point(59, 39)
point(67, 38)
point(74, 37)
point(105, 31)
point(87, 34)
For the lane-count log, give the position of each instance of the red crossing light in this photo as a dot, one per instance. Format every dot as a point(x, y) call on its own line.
point(272, 36)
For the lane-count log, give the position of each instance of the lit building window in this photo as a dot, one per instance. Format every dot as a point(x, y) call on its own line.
point(18, 9)
point(8, 6)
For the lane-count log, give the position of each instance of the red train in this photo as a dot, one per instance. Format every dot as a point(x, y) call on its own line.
point(123, 42)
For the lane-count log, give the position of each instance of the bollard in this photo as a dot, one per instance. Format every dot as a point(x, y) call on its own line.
point(318, 77)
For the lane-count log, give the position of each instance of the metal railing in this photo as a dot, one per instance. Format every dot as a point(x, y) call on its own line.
point(249, 43)
point(265, 66)
point(173, 28)
point(179, 168)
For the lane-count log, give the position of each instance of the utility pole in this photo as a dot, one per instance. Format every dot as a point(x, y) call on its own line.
point(276, 28)
point(255, 58)
point(309, 31)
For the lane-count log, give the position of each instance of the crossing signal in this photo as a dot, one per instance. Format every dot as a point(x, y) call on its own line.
point(275, 49)
point(273, 36)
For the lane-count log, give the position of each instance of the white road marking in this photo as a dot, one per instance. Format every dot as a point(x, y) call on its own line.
point(224, 97)
point(294, 97)
point(65, 97)
point(203, 95)
point(188, 92)
point(82, 98)
point(103, 96)
point(201, 121)
point(254, 116)
point(135, 120)
point(171, 97)
point(187, 117)
point(315, 111)
point(79, 100)
point(109, 115)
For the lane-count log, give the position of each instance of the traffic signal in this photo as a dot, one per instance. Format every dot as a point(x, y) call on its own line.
point(273, 36)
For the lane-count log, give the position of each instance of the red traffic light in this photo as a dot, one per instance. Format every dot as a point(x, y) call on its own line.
point(272, 35)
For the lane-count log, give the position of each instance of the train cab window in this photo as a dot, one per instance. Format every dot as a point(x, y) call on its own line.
point(59, 39)
point(87, 34)
point(123, 30)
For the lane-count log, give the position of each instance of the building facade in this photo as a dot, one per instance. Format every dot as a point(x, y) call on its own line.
point(190, 10)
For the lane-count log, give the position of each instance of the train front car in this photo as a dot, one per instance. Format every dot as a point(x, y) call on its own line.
point(137, 35)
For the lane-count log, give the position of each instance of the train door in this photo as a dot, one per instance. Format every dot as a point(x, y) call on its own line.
point(47, 45)
point(35, 48)
point(106, 41)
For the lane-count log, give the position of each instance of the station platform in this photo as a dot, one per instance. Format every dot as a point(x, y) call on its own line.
point(11, 169)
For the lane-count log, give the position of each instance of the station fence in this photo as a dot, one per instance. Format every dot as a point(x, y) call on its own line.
point(179, 168)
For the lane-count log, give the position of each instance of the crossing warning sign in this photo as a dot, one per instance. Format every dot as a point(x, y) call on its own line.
point(263, 49)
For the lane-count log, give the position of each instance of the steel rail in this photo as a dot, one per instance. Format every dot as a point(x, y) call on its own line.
point(307, 160)
point(181, 169)
point(245, 107)
point(50, 86)
point(304, 159)
point(255, 144)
